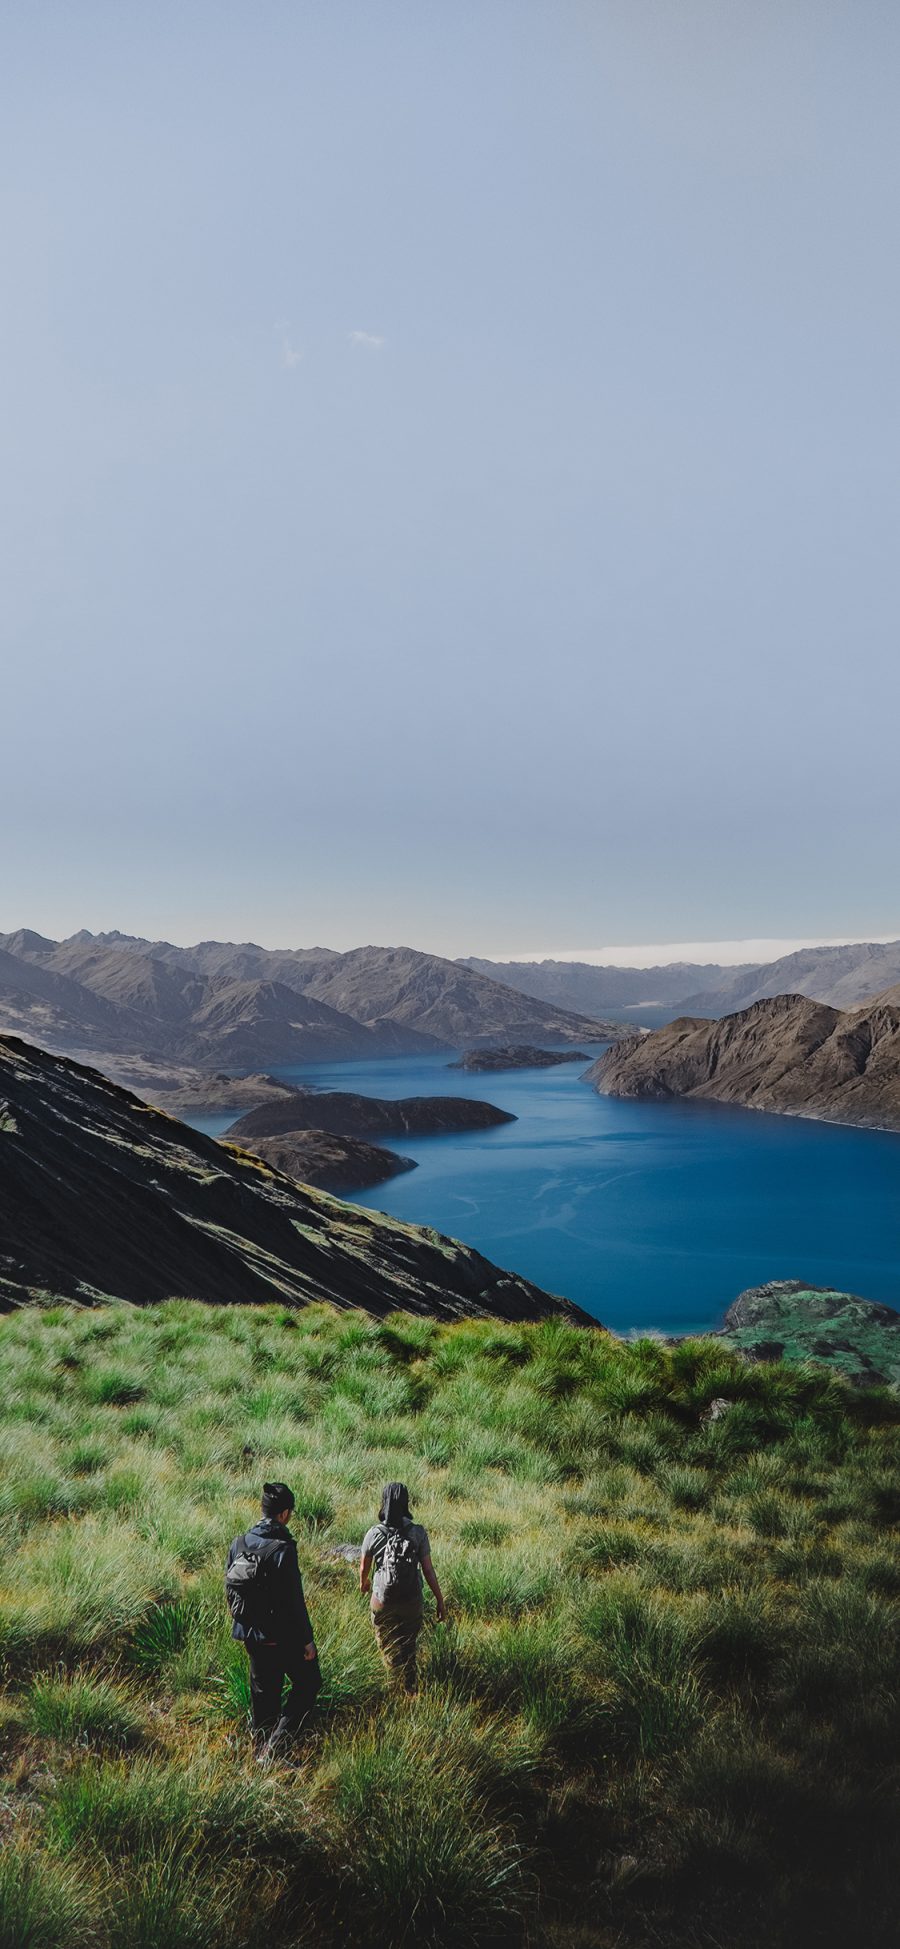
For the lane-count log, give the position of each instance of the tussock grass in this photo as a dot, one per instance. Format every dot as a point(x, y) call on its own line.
point(665, 1709)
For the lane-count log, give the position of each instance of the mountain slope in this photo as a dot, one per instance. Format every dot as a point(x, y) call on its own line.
point(247, 1007)
point(102, 1195)
point(786, 1053)
point(251, 1022)
point(113, 996)
point(448, 1000)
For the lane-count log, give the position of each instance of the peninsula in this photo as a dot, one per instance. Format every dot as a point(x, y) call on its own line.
point(785, 1054)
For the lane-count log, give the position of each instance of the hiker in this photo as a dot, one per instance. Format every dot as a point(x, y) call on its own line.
point(401, 1553)
point(264, 1590)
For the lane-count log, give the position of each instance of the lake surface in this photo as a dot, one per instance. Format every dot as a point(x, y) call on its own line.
point(647, 1214)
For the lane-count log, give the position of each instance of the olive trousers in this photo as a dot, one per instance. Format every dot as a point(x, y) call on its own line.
point(397, 1628)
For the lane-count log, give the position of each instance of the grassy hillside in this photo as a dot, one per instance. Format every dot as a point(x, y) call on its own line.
point(664, 1712)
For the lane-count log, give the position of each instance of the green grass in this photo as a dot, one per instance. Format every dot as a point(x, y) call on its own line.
point(665, 1709)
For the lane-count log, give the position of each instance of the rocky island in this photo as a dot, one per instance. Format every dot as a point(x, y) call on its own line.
point(516, 1055)
point(785, 1054)
point(349, 1115)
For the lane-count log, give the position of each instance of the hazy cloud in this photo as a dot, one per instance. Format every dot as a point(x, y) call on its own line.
point(369, 341)
point(725, 953)
point(291, 354)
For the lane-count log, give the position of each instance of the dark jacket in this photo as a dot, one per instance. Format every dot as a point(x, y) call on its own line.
point(290, 1618)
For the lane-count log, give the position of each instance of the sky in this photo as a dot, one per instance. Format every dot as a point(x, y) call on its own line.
point(449, 472)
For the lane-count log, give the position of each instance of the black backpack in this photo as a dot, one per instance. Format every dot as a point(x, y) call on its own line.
point(398, 1571)
point(250, 1584)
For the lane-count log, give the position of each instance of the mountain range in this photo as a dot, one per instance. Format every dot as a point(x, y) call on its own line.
point(103, 1196)
point(783, 1053)
point(841, 976)
point(217, 1005)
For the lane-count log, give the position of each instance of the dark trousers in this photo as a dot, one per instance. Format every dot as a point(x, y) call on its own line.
point(270, 1665)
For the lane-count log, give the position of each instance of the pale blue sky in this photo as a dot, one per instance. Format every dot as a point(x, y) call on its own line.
point(449, 476)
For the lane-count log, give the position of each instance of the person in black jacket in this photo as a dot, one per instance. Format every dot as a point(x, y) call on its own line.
point(271, 1620)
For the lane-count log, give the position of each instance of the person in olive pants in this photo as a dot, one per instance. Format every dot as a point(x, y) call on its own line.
point(397, 1608)
point(283, 1646)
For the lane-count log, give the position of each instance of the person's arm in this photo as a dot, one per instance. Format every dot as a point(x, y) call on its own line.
point(365, 1570)
point(295, 1603)
point(430, 1575)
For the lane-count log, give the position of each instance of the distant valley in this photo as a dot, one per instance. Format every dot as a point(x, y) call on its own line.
point(841, 976)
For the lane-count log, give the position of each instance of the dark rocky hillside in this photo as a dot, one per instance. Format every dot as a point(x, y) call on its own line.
point(786, 1054)
point(101, 1195)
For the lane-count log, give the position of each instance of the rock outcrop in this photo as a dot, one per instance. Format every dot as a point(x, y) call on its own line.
point(786, 1054)
point(103, 1196)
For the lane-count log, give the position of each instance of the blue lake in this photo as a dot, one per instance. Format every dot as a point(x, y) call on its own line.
point(648, 1214)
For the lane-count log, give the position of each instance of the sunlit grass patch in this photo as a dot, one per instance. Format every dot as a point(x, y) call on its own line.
point(80, 1709)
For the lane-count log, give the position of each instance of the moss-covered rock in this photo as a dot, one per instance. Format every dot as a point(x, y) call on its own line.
point(787, 1320)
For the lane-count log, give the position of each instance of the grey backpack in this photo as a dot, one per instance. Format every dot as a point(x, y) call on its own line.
point(398, 1571)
